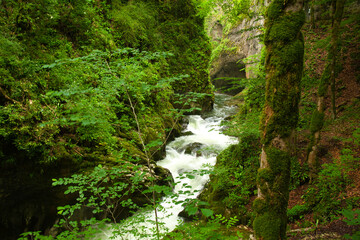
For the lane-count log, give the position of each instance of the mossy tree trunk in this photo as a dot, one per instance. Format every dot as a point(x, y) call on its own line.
point(328, 77)
point(283, 65)
point(312, 15)
point(337, 10)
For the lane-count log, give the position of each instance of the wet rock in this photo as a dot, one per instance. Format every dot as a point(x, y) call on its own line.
point(187, 133)
point(192, 148)
point(184, 122)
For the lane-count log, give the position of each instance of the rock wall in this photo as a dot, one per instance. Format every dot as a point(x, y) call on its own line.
point(241, 42)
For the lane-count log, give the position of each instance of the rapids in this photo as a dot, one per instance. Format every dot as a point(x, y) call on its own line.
point(206, 133)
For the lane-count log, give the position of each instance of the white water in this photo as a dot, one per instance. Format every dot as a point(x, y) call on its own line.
point(207, 132)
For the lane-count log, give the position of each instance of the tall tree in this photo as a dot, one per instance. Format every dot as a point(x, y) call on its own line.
point(283, 66)
point(337, 13)
point(328, 77)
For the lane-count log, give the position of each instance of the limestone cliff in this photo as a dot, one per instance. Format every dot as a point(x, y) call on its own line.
point(232, 46)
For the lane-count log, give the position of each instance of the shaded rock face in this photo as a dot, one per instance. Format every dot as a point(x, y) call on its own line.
point(229, 67)
point(230, 72)
point(28, 201)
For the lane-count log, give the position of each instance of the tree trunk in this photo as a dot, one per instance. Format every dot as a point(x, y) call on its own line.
point(283, 66)
point(312, 16)
point(327, 77)
point(334, 48)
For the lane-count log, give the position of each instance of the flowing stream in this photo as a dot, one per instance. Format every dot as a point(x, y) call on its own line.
point(189, 154)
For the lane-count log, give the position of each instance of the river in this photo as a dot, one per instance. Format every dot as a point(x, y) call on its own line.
point(206, 139)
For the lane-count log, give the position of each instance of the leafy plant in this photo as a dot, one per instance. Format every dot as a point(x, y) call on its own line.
point(103, 195)
point(211, 229)
point(297, 212)
point(298, 174)
point(234, 179)
point(328, 192)
point(134, 24)
point(233, 11)
point(352, 218)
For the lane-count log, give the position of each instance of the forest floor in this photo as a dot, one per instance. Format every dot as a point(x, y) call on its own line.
point(333, 136)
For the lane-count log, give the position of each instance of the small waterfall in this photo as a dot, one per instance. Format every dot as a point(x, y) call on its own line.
point(208, 140)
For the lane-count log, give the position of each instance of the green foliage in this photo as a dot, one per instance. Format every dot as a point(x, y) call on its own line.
point(103, 195)
point(107, 193)
point(297, 212)
point(93, 103)
point(102, 191)
point(191, 57)
point(352, 218)
point(192, 206)
point(115, 75)
point(211, 229)
point(34, 236)
point(327, 194)
point(307, 107)
point(251, 99)
point(254, 93)
point(298, 174)
point(135, 23)
point(356, 137)
point(42, 25)
point(349, 160)
point(227, 222)
point(317, 121)
point(234, 179)
point(64, 103)
point(232, 12)
point(222, 47)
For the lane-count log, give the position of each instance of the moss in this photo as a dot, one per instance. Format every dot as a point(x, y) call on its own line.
point(275, 179)
point(286, 28)
point(265, 174)
point(278, 160)
point(287, 57)
point(275, 9)
point(270, 226)
point(324, 81)
point(283, 91)
point(274, 184)
point(317, 121)
point(234, 181)
point(260, 205)
point(132, 150)
point(283, 66)
point(297, 211)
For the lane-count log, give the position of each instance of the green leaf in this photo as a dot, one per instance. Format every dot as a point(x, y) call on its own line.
point(203, 203)
point(207, 212)
point(191, 176)
point(191, 210)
